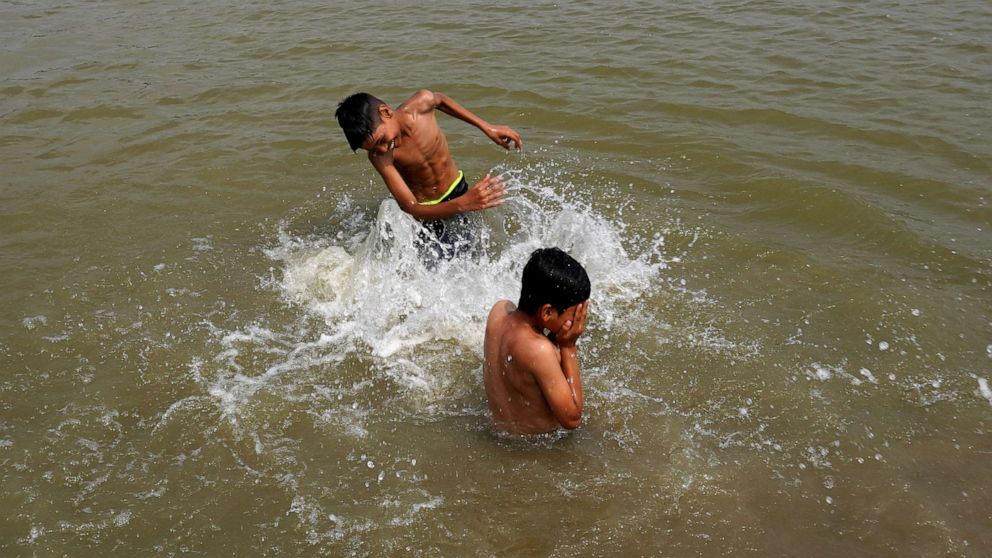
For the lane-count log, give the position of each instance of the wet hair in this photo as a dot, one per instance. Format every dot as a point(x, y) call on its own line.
point(552, 277)
point(358, 116)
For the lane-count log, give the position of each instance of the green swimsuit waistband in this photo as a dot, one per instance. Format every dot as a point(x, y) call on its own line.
point(461, 175)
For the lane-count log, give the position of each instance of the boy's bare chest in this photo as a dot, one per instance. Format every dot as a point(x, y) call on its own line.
point(421, 150)
point(426, 166)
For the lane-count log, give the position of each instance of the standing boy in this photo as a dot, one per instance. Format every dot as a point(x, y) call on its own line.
point(532, 379)
point(408, 149)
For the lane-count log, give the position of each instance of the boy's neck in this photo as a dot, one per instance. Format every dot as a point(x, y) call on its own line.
point(403, 119)
point(533, 320)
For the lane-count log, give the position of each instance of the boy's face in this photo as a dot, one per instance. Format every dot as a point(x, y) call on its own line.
point(554, 319)
point(386, 136)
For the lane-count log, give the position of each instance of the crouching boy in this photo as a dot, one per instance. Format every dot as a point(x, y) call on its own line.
point(532, 378)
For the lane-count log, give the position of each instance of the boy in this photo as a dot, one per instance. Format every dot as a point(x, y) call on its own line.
point(532, 379)
point(410, 152)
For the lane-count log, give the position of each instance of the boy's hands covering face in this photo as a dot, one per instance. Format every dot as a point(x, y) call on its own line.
point(570, 331)
point(486, 193)
point(504, 136)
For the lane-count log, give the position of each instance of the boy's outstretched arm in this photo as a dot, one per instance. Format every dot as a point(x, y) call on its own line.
point(504, 136)
point(486, 193)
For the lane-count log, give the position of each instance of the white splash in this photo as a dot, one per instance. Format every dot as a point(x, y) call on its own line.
point(868, 375)
point(983, 388)
point(34, 321)
point(380, 293)
point(376, 295)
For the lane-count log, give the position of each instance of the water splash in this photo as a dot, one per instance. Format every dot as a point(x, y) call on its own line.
point(369, 296)
point(381, 295)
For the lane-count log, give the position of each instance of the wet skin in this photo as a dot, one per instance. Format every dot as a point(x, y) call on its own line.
point(411, 153)
point(532, 380)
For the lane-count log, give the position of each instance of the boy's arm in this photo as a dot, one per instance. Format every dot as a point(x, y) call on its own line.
point(504, 136)
point(485, 194)
point(559, 382)
point(565, 339)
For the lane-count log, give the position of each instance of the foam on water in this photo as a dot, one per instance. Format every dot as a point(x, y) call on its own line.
point(416, 321)
point(983, 388)
point(379, 294)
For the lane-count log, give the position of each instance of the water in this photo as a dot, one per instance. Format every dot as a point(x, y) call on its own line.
point(219, 340)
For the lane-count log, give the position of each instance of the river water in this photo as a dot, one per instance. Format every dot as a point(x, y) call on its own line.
point(218, 340)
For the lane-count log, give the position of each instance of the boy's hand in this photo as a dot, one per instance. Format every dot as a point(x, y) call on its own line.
point(486, 193)
point(504, 136)
point(572, 329)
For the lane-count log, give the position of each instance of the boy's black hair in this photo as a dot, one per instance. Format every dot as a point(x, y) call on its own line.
point(552, 277)
point(358, 116)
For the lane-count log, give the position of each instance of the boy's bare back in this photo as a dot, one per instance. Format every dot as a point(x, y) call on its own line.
point(532, 383)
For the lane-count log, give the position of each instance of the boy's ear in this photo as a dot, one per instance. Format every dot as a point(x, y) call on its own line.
point(385, 111)
point(547, 312)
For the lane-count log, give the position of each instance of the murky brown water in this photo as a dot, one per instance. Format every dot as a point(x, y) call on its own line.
point(209, 349)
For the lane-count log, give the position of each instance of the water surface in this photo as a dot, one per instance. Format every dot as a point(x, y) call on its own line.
point(219, 341)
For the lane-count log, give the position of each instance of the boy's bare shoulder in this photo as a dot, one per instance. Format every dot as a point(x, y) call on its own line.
point(527, 345)
point(501, 323)
point(502, 308)
point(421, 101)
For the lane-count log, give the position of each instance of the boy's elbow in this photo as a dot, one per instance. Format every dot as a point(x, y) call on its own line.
point(571, 422)
point(411, 208)
point(428, 96)
point(414, 210)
